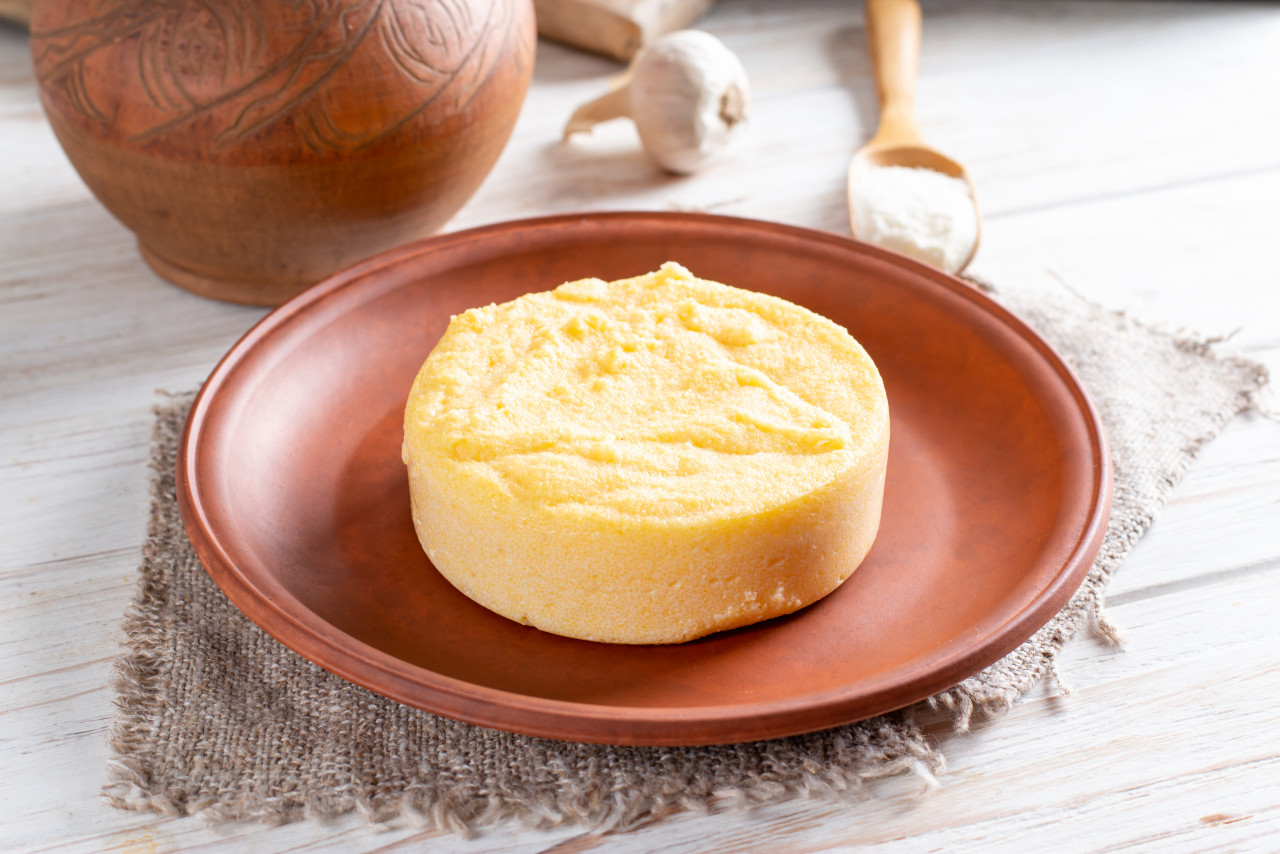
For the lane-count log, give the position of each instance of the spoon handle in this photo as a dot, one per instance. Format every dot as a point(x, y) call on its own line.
point(893, 31)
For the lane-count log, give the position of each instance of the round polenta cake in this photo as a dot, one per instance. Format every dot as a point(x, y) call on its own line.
point(648, 460)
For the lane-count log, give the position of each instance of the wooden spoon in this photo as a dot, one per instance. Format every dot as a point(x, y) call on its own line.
point(893, 31)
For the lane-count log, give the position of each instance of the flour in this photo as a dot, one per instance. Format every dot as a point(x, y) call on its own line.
point(918, 212)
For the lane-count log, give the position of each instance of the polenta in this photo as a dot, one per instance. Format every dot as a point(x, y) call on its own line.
point(648, 460)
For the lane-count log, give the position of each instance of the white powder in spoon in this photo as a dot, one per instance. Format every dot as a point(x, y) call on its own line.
point(918, 212)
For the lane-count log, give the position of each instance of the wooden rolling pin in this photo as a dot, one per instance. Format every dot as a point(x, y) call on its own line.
point(15, 10)
point(616, 28)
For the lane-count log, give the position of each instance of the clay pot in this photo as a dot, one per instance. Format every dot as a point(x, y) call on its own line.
point(255, 148)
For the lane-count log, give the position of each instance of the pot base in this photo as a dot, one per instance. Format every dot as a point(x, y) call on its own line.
point(227, 290)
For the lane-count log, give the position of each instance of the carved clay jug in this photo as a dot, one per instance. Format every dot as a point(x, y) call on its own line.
point(256, 147)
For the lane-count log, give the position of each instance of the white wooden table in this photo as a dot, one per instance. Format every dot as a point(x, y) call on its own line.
point(1131, 149)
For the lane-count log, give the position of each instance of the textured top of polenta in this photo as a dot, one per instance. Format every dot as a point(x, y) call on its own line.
point(662, 397)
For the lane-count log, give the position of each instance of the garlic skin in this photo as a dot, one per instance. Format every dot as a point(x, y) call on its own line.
point(687, 94)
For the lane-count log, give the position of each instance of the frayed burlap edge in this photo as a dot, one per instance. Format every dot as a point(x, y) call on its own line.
point(993, 691)
point(138, 676)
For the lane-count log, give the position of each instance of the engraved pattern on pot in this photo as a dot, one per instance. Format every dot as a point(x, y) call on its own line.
point(204, 67)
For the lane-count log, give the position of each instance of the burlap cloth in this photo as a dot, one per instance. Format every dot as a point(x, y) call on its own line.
point(217, 719)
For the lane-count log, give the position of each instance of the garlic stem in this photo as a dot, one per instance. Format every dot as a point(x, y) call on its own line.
point(614, 104)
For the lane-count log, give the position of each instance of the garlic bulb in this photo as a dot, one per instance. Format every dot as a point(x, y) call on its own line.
point(686, 92)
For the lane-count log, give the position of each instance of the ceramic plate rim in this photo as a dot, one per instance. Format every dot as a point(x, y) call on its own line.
point(673, 725)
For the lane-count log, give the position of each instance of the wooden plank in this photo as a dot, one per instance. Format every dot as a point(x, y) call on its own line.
point(1121, 252)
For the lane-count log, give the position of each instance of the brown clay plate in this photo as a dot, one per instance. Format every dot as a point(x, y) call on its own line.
point(998, 491)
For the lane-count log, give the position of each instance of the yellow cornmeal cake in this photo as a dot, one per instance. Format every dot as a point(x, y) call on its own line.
point(648, 460)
